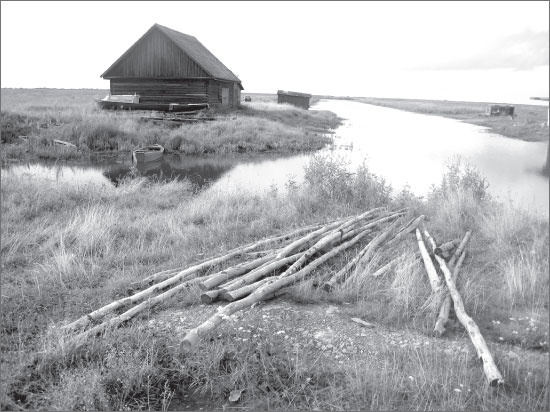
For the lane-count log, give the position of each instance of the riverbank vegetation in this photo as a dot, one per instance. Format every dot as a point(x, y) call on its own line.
point(68, 249)
point(33, 119)
point(529, 122)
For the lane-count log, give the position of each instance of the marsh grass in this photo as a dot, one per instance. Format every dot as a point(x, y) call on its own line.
point(68, 249)
point(72, 116)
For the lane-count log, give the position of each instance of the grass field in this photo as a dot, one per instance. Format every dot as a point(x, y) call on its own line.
point(33, 118)
point(68, 249)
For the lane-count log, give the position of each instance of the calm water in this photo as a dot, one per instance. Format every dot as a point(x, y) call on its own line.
point(404, 148)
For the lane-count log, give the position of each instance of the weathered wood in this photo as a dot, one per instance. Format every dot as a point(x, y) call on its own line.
point(230, 273)
point(193, 336)
point(61, 142)
point(335, 225)
point(445, 250)
point(261, 272)
point(248, 247)
point(370, 249)
point(381, 271)
point(435, 282)
point(332, 236)
point(329, 284)
point(410, 227)
point(460, 248)
point(233, 295)
point(445, 309)
point(144, 294)
point(129, 314)
point(489, 367)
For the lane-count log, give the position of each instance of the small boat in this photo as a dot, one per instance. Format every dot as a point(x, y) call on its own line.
point(148, 153)
point(131, 102)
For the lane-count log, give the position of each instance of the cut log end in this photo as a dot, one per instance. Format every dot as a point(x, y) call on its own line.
point(209, 296)
point(189, 342)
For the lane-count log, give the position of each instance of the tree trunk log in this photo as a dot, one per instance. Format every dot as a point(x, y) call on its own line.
point(231, 273)
point(236, 294)
point(144, 294)
point(272, 286)
point(443, 317)
point(371, 248)
point(260, 273)
point(445, 250)
point(406, 230)
point(313, 235)
point(489, 367)
point(460, 248)
point(435, 282)
point(129, 314)
point(385, 268)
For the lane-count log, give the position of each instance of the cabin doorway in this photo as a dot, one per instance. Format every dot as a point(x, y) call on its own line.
point(225, 96)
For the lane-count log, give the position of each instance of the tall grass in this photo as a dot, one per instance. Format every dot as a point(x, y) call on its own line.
point(69, 248)
point(258, 127)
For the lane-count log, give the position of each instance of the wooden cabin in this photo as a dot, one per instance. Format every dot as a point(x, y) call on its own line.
point(499, 110)
point(166, 66)
point(294, 98)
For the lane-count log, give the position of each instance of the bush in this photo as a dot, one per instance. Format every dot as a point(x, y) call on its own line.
point(328, 178)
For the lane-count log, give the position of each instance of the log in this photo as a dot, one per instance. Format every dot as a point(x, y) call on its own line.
point(492, 373)
point(144, 294)
point(381, 271)
point(129, 314)
point(249, 247)
point(460, 248)
point(62, 142)
point(435, 282)
point(260, 273)
point(445, 250)
point(342, 273)
point(338, 224)
point(410, 227)
point(332, 236)
point(272, 286)
point(443, 317)
point(371, 247)
point(233, 295)
point(230, 273)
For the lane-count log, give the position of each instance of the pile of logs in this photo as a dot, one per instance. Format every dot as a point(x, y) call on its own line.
point(261, 270)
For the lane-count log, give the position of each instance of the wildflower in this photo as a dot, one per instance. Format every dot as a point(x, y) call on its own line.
point(411, 378)
point(457, 390)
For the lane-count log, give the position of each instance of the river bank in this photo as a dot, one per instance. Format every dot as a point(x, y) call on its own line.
point(32, 119)
point(528, 123)
point(68, 249)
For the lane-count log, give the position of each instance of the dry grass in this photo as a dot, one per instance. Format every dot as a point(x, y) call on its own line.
point(72, 116)
point(70, 248)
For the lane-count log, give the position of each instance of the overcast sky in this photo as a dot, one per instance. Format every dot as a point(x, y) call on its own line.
point(384, 49)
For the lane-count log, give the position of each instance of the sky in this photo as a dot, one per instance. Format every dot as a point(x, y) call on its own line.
point(475, 51)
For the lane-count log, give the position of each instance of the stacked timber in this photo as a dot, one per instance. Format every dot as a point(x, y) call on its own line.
point(263, 269)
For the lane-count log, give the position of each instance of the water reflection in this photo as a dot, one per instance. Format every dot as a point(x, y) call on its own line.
point(198, 170)
point(404, 148)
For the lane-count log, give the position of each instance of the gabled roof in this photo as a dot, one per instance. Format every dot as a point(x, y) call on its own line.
point(193, 49)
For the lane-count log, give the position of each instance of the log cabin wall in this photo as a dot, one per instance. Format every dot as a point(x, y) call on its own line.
point(163, 90)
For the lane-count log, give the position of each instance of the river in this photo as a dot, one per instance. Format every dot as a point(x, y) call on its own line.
point(402, 147)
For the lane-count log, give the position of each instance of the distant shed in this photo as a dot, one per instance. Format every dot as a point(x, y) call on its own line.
point(294, 98)
point(166, 66)
point(499, 110)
